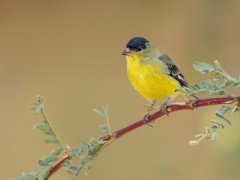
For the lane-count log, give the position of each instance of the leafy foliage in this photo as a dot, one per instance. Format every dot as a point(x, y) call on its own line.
point(216, 86)
point(104, 113)
point(85, 153)
point(28, 176)
point(45, 163)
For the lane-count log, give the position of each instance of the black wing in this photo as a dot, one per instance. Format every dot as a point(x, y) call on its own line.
point(173, 70)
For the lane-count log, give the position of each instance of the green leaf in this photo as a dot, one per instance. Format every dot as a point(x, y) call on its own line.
point(40, 99)
point(67, 163)
point(229, 83)
point(214, 136)
point(204, 85)
point(46, 160)
point(220, 115)
point(193, 143)
point(94, 141)
point(38, 105)
point(196, 87)
point(38, 108)
point(203, 67)
point(99, 112)
point(46, 129)
point(57, 152)
point(218, 66)
point(70, 172)
point(105, 109)
point(229, 122)
point(221, 84)
point(75, 152)
point(215, 87)
point(92, 153)
point(213, 92)
point(27, 176)
point(213, 128)
point(209, 84)
point(218, 78)
point(44, 175)
point(207, 130)
point(105, 128)
point(225, 109)
point(102, 112)
point(84, 146)
point(73, 168)
point(100, 141)
point(216, 122)
point(220, 92)
point(186, 89)
point(208, 136)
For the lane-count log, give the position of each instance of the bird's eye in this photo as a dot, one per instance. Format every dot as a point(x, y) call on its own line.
point(139, 49)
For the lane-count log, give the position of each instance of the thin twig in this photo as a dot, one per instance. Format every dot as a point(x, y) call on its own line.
point(58, 165)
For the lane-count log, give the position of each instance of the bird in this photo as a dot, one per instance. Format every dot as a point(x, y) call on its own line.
point(152, 73)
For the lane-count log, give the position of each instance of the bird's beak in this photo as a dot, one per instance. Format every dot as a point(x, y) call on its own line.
point(126, 52)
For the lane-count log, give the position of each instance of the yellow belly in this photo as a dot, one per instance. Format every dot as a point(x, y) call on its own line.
point(151, 80)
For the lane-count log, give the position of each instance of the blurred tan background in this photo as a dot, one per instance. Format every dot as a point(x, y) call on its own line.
point(70, 53)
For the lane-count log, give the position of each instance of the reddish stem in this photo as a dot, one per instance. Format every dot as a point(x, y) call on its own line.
point(189, 105)
point(58, 165)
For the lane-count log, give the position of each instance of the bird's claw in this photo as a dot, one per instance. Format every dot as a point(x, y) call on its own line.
point(146, 120)
point(164, 109)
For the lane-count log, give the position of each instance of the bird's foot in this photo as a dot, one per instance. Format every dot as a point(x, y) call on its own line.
point(147, 114)
point(164, 108)
point(146, 120)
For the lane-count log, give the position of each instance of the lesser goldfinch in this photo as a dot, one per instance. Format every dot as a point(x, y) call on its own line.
point(152, 73)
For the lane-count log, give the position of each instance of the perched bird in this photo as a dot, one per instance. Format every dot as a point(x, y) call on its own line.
point(152, 73)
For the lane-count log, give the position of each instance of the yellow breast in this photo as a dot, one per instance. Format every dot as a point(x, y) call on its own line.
point(150, 79)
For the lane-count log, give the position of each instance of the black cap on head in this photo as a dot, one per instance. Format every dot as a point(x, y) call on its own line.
point(137, 43)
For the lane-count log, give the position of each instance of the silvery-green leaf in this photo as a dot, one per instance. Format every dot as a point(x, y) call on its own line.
point(214, 136)
point(229, 122)
point(216, 122)
point(203, 67)
point(193, 143)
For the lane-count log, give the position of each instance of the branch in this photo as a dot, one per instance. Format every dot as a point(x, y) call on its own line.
point(189, 105)
point(58, 165)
